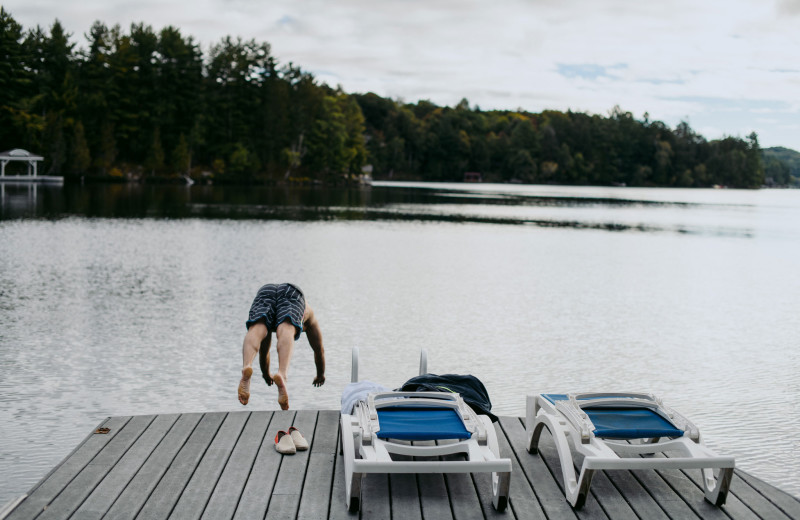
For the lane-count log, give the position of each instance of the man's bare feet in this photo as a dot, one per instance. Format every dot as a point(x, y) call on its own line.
point(283, 395)
point(244, 385)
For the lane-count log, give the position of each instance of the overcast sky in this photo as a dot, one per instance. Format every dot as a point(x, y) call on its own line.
point(728, 67)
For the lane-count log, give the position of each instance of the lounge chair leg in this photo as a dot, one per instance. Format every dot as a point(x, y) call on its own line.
point(577, 496)
point(531, 410)
point(354, 493)
point(352, 480)
point(533, 441)
point(500, 483)
point(716, 489)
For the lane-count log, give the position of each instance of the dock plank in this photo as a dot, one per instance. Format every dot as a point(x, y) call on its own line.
point(433, 497)
point(549, 455)
point(464, 500)
point(90, 476)
point(229, 488)
point(102, 498)
point(133, 497)
point(338, 508)
point(635, 492)
point(258, 491)
point(787, 503)
point(285, 501)
point(522, 499)
point(198, 490)
point(743, 497)
point(404, 497)
point(483, 487)
point(695, 499)
point(40, 497)
point(612, 499)
point(326, 439)
point(375, 494)
point(540, 479)
point(316, 498)
point(169, 490)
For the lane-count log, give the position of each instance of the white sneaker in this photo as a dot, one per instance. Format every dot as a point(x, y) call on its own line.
point(300, 442)
point(284, 443)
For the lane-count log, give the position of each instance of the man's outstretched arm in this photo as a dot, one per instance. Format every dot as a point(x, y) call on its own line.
point(314, 335)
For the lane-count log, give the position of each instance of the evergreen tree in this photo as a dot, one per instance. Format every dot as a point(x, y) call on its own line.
point(180, 157)
point(55, 143)
point(178, 90)
point(94, 84)
point(327, 153)
point(155, 157)
point(14, 79)
point(107, 149)
point(355, 149)
point(80, 158)
point(18, 120)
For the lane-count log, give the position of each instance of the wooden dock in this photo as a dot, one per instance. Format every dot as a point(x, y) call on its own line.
point(223, 465)
point(31, 179)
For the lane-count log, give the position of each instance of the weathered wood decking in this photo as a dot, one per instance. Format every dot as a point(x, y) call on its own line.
point(223, 465)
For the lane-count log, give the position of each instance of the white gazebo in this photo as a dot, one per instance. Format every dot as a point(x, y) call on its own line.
point(18, 154)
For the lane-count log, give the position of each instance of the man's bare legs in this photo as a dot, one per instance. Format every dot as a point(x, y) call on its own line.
point(263, 360)
point(284, 346)
point(252, 341)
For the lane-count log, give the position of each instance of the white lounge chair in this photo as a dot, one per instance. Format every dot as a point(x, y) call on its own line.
point(383, 424)
point(603, 426)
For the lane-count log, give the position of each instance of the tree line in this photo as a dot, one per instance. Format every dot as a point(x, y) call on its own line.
point(149, 104)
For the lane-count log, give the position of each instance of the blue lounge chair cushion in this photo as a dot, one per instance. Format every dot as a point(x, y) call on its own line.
point(420, 424)
point(625, 423)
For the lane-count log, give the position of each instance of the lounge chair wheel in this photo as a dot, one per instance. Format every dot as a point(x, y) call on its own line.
point(580, 501)
point(502, 504)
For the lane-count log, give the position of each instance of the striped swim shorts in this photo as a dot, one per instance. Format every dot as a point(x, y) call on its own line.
point(276, 303)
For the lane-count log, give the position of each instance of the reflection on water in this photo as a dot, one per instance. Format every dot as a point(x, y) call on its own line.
point(125, 300)
point(732, 213)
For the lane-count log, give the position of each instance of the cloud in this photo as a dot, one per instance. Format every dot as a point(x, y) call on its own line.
point(789, 7)
point(588, 71)
point(287, 21)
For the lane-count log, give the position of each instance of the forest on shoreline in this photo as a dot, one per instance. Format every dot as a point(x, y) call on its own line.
point(147, 105)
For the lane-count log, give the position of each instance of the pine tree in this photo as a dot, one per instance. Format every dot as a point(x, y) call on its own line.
point(16, 117)
point(180, 157)
point(80, 156)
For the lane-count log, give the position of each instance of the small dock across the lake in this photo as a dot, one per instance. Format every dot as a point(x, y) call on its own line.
point(223, 465)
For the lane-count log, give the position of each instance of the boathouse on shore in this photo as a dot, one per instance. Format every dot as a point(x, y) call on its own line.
point(18, 154)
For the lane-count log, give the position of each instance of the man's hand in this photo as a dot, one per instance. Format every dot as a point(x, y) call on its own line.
point(319, 380)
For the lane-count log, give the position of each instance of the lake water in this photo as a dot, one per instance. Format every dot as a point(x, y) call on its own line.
point(130, 300)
